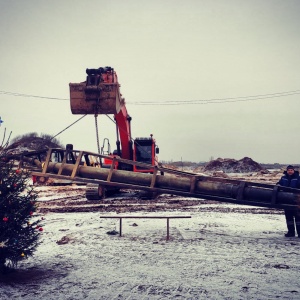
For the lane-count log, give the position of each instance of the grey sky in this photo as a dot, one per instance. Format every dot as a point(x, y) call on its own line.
point(162, 51)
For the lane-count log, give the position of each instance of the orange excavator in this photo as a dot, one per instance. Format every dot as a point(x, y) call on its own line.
point(100, 94)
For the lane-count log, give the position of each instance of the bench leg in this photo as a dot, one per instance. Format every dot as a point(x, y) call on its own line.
point(120, 227)
point(168, 231)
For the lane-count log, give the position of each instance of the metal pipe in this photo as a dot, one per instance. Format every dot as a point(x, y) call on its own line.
point(230, 190)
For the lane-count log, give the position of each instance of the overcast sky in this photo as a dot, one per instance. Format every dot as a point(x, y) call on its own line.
point(165, 52)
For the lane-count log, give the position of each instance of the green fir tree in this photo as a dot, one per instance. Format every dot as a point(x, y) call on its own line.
point(20, 229)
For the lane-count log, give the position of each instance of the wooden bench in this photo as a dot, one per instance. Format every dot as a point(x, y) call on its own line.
point(147, 217)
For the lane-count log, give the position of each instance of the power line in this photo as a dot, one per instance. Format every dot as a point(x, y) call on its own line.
point(31, 96)
point(221, 100)
point(180, 102)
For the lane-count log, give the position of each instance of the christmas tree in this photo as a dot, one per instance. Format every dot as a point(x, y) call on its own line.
point(19, 228)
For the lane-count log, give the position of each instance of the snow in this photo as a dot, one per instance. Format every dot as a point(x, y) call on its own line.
point(219, 253)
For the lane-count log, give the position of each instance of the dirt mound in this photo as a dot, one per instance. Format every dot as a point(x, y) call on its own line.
point(30, 144)
point(228, 165)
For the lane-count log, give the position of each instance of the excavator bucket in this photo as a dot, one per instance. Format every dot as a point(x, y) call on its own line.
point(99, 94)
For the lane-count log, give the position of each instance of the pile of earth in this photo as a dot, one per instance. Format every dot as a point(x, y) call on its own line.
point(30, 143)
point(229, 165)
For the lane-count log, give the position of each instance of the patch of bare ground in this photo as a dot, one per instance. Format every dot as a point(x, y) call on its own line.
point(71, 199)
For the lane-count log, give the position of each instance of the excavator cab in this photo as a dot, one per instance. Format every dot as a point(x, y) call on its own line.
point(145, 150)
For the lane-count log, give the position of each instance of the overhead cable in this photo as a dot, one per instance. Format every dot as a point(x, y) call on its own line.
point(220, 100)
point(31, 96)
point(180, 102)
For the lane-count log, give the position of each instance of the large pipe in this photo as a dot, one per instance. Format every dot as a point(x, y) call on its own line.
point(228, 190)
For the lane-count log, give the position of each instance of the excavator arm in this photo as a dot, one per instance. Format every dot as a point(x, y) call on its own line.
point(124, 133)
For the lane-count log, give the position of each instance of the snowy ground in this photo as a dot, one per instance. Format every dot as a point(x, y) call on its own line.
point(222, 252)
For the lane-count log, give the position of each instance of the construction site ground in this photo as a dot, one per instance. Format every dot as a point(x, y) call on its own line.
point(224, 251)
point(61, 199)
point(68, 197)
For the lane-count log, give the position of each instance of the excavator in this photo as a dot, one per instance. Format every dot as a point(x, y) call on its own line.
point(134, 164)
point(100, 94)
